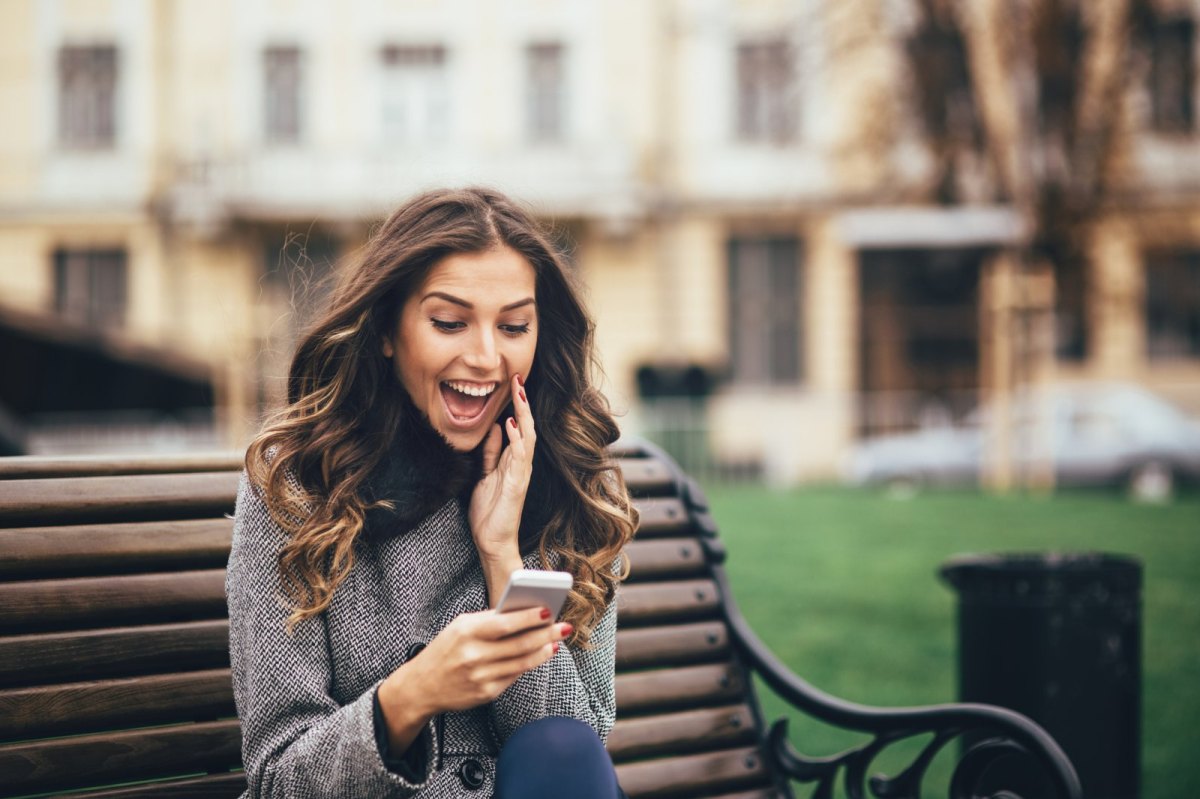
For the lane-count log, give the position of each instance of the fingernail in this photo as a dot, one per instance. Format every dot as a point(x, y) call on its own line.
point(520, 380)
point(522, 393)
point(512, 423)
point(545, 613)
point(556, 645)
point(566, 630)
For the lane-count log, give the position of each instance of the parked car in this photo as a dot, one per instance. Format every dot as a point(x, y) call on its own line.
point(1091, 434)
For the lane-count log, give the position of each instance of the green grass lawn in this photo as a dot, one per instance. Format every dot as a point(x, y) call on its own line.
point(842, 585)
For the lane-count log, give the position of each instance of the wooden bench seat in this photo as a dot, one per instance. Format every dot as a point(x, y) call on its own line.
point(114, 662)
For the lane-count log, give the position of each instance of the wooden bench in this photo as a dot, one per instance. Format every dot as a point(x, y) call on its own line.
point(114, 669)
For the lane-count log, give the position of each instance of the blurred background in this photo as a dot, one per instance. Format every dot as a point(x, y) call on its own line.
point(904, 243)
point(802, 223)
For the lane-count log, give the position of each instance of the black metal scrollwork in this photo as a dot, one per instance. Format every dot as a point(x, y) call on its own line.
point(1008, 733)
point(1012, 733)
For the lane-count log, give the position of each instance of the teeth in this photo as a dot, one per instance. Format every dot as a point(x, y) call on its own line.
point(472, 390)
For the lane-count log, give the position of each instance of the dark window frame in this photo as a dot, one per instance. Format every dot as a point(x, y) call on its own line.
point(88, 86)
point(766, 287)
point(430, 57)
point(283, 94)
point(546, 92)
point(766, 103)
point(1171, 304)
point(91, 286)
point(1171, 79)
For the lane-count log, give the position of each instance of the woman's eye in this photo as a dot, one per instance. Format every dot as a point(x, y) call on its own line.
point(515, 330)
point(442, 324)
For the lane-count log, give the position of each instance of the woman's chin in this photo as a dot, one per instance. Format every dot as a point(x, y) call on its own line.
point(463, 440)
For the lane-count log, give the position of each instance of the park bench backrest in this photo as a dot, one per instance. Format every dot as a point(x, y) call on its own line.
point(114, 665)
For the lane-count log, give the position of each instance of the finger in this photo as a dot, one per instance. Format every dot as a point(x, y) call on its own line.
point(524, 414)
point(491, 450)
point(521, 644)
point(503, 625)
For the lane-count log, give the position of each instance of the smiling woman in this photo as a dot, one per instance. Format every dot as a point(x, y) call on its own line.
point(464, 334)
point(390, 500)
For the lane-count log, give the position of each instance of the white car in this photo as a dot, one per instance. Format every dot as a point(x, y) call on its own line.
point(1093, 434)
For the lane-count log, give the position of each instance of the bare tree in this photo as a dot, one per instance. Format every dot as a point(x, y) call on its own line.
point(1022, 102)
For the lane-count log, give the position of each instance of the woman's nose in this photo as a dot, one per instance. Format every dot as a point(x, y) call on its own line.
point(482, 354)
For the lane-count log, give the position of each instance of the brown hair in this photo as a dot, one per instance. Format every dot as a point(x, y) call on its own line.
point(312, 458)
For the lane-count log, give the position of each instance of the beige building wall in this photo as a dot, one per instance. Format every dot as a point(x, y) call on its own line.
point(651, 178)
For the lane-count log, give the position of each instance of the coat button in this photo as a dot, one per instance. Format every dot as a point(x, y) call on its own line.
point(471, 774)
point(414, 650)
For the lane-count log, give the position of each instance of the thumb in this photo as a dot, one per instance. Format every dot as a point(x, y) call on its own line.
point(491, 450)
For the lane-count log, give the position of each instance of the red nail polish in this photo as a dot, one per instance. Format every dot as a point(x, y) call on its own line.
point(556, 645)
point(522, 393)
point(545, 613)
point(512, 423)
point(566, 630)
point(520, 380)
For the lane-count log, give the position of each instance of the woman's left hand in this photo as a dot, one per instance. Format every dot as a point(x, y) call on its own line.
point(499, 498)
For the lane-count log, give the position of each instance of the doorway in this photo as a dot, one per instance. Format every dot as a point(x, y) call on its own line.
point(918, 337)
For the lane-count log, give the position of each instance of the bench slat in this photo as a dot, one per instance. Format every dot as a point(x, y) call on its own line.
point(672, 645)
point(45, 658)
point(657, 558)
point(28, 553)
point(667, 601)
point(680, 733)
point(64, 763)
point(214, 786)
point(691, 686)
point(646, 477)
point(207, 694)
point(658, 516)
point(106, 704)
point(80, 500)
point(95, 601)
point(25, 467)
point(694, 774)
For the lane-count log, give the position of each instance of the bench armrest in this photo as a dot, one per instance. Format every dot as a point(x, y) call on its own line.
point(1002, 732)
point(994, 732)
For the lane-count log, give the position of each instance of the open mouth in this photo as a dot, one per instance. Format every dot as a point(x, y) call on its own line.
point(466, 401)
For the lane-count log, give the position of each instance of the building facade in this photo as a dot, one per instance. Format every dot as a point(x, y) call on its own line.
point(739, 182)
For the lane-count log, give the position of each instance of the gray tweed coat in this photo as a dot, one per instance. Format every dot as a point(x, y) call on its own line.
point(305, 700)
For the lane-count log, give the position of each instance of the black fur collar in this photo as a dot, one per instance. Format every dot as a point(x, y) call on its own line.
point(420, 472)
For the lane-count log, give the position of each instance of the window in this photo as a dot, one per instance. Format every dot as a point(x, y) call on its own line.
point(764, 310)
point(938, 54)
point(1059, 56)
point(284, 83)
point(766, 102)
point(1173, 304)
point(414, 93)
point(90, 287)
point(546, 101)
point(1070, 310)
point(87, 96)
point(1172, 75)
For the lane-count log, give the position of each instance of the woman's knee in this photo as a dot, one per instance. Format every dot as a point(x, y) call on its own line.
point(555, 757)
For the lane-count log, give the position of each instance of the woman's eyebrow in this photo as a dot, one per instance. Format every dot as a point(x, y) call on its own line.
point(441, 295)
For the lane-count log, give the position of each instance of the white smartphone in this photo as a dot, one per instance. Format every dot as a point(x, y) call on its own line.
point(534, 588)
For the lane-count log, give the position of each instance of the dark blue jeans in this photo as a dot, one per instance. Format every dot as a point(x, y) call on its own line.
point(555, 757)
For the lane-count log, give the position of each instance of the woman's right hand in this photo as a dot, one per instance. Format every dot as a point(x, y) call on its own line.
point(469, 663)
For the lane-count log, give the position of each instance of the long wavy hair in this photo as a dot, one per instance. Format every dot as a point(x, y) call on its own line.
point(311, 460)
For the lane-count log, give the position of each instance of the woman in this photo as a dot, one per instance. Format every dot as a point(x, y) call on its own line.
point(383, 510)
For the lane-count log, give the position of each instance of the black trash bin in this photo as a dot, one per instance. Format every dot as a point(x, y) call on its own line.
point(1058, 638)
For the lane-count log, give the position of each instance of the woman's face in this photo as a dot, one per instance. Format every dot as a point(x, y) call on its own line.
point(462, 335)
